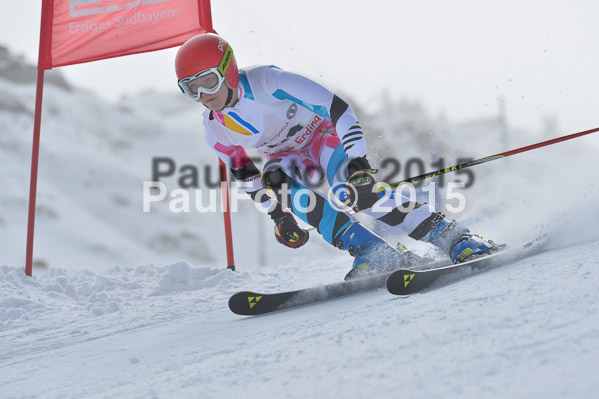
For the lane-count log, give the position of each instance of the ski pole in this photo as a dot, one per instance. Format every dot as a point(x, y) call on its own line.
point(492, 158)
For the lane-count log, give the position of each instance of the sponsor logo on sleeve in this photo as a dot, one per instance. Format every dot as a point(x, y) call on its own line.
point(310, 129)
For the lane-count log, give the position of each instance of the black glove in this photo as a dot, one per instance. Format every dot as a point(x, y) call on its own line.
point(358, 164)
point(287, 232)
point(361, 193)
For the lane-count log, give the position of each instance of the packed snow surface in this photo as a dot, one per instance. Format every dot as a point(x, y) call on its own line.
point(528, 329)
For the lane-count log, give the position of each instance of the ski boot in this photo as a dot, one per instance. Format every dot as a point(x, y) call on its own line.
point(457, 241)
point(372, 254)
point(469, 246)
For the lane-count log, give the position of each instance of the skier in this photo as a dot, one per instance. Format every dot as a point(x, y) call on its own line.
point(306, 134)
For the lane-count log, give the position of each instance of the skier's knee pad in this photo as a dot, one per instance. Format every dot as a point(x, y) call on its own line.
point(275, 179)
point(297, 167)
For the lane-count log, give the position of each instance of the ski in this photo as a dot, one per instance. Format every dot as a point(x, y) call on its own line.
point(251, 303)
point(405, 281)
point(248, 303)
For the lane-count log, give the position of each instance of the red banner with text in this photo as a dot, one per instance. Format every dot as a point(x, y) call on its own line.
point(77, 31)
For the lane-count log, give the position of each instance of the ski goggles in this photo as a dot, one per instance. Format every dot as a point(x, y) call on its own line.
point(208, 81)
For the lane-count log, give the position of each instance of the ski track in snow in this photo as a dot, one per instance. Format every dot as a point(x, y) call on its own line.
point(165, 331)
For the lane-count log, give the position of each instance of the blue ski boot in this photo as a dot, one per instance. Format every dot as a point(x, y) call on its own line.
point(372, 254)
point(457, 241)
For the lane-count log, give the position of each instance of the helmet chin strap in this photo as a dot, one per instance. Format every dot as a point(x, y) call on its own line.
point(229, 98)
point(229, 95)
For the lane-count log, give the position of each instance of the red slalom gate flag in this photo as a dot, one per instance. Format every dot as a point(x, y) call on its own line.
point(77, 31)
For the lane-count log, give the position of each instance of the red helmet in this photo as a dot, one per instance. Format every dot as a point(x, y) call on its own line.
point(203, 52)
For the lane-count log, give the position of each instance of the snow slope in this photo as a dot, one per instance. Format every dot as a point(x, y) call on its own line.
point(130, 304)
